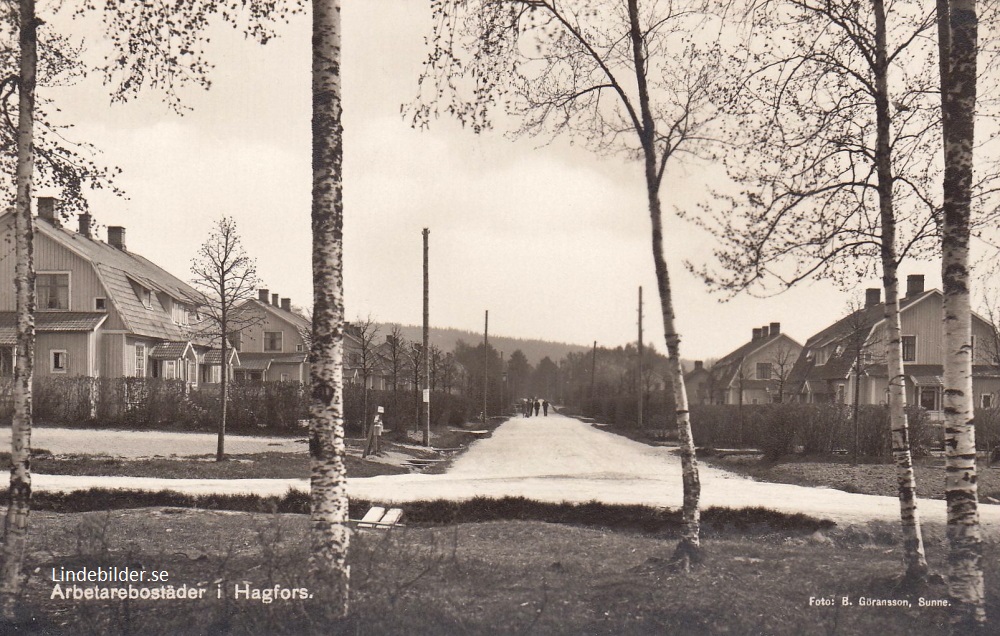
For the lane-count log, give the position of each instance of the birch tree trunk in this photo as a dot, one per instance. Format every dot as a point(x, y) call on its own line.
point(326, 435)
point(220, 448)
point(965, 568)
point(914, 559)
point(16, 524)
point(689, 549)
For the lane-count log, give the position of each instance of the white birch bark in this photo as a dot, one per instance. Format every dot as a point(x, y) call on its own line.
point(327, 449)
point(689, 548)
point(958, 50)
point(16, 524)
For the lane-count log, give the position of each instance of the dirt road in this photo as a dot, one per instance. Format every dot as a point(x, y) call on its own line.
point(556, 459)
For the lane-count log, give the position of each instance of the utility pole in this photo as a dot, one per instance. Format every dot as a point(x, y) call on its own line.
point(641, 383)
point(503, 382)
point(427, 349)
point(593, 370)
point(486, 361)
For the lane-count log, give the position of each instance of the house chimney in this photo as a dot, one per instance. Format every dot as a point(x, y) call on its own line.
point(47, 210)
point(873, 296)
point(756, 333)
point(85, 220)
point(699, 364)
point(116, 237)
point(274, 300)
point(262, 295)
point(775, 328)
point(286, 304)
point(914, 284)
point(764, 331)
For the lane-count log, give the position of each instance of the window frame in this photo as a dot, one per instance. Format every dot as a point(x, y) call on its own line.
point(902, 342)
point(69, 289)
point(281, 342)
point(102, 300)
point(984, 398)
point(770, 371)
point(52, 361)
point(140, 346)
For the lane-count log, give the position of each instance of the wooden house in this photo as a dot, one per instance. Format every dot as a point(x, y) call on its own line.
point(849, 355)
point(274, 347)
point(756, 372)
point(698, 384)
point(102, 311)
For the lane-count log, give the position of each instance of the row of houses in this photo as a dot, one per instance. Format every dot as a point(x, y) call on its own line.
point(105, 311)
point(845, 363)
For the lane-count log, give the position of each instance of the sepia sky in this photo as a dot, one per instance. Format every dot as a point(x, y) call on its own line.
point(552, 240)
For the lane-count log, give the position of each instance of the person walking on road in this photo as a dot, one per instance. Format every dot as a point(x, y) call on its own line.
point(538, 406)
point(545, 407)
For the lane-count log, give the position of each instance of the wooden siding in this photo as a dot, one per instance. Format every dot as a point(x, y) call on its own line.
point(925, 321)
point(113, 354)
point(76, 346)
point(253, 336)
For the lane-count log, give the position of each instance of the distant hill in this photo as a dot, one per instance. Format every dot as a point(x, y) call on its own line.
point(446, 338)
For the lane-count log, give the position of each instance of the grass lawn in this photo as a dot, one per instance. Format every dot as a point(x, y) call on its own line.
point(255, 466)
point(840, 473)
point(499, 577)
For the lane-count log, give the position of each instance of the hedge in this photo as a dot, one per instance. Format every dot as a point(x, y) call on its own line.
point(150, 403)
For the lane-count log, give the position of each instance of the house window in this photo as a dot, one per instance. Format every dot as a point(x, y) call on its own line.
point(237, 341)
point(52, 292)
point(169, 369)
point(146, 297)
point(100, 304)
point(140, 360)
point(972, 350)
point(272, 341)
point(763, 370)
point(909, 348)
point(986, 400)
point(300, 348)
point(285, 377)
point(929, 398)
point(820, 357)
point(356, 359)
point(58, 361)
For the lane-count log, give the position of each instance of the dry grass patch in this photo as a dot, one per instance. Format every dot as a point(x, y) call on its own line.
point(500, 577)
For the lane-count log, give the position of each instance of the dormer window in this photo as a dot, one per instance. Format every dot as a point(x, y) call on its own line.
point(146, 296)
point(100, 304)
point(52, 291)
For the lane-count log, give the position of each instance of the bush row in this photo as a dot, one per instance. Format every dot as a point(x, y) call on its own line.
point(141, 403)
point(657, 410)
point(780, 429)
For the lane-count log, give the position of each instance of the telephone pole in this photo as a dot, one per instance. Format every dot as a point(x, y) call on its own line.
point(593, 370)
point(486, 361)
point(641, 383)
point(427, 349)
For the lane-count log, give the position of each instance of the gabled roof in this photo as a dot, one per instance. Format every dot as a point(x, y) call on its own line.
point(49, 322)
point(214, 356)
point(121, 271)
point(856, 325)
point(727, 368)
point(301, 324)
point(171, 350)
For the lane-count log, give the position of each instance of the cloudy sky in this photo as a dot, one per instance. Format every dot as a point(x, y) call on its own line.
point(552, 240)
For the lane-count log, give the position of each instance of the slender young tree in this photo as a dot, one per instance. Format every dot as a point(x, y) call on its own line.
point(327, 447)
point(19, 496)
point(620, 78)
point(958, 46)
point(367, 332)
point(823, 141)
point(227, 277)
